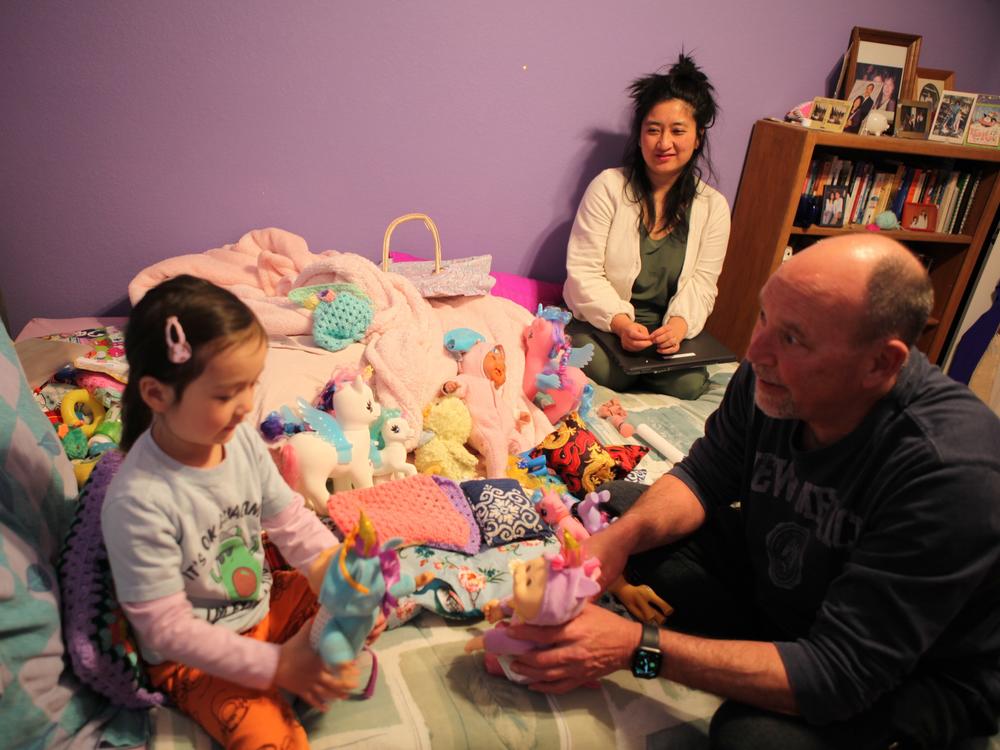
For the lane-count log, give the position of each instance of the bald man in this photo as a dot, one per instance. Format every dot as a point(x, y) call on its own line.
point(852, 596)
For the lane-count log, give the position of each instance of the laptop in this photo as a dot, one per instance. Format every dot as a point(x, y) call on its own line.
point(703, 349)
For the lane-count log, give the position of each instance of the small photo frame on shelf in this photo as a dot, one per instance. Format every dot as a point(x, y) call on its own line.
point(984, 129)
point(828, 114)
point(952, 117)
point(887, 57)
point(913, 118)
point(860, 102)
point(931, 83)
point(919, 217)
point(832, 211)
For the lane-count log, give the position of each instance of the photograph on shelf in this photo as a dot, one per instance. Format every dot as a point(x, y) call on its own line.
point(931, 83)
point(888, 58)
point(952, 117)
point(832, 213)
point(913, 118)
point(919, 217)
point(860, 101)
point(984, 129)
point(828, 114)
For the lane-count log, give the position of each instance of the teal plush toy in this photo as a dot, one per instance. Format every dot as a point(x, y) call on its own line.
point(361, 580)
point(341, 313)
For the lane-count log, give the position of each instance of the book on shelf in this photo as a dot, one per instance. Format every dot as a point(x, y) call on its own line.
point(888, 184)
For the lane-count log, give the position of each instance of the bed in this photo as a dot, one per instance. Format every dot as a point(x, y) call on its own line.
point(429, 693)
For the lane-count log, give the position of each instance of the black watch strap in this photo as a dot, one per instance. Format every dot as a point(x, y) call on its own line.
point(647, 659)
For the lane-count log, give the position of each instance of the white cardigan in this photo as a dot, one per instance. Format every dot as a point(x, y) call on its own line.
point(603, 258)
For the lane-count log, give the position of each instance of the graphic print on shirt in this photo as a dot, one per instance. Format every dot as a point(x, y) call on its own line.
point(236, 568)
point(817, 517)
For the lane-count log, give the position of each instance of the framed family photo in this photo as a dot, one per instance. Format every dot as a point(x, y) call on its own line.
point(887, 58)
point(860, 101)
point(952, 117)
point(930, 85)
point(919, 217)
point(913, 118)
point(828, 114)
point(984, 128)
point(832, 210)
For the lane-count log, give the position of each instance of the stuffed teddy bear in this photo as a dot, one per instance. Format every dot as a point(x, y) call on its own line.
point(445, 454)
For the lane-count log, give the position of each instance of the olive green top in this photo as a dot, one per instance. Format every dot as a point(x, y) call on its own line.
point(656, 283)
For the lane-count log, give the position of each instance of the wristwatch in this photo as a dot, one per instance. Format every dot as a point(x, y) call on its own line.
point(646, 659)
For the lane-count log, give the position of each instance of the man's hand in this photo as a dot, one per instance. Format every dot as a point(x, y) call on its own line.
point(594, 644)
point(605, 547)
point(669, 336)
point(634, 336)
point(301, 671)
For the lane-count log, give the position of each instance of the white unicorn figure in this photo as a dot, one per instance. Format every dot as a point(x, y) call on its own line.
point(395, 431)
point(339, 447)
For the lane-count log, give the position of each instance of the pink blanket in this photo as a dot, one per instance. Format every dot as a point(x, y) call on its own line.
point(405, 342)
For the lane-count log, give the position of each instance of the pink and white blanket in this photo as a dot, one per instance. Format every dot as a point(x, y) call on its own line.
point(404, 343)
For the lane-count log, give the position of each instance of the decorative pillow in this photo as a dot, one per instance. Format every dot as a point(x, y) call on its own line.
point(572, 452)
point(99, 638)
point(421, 509)
point(463, 583)
point(504, 513)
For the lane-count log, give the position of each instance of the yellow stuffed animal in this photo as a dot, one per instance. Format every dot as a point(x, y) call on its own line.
point(445, 454)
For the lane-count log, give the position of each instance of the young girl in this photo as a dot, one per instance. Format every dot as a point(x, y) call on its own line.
point(220, 632)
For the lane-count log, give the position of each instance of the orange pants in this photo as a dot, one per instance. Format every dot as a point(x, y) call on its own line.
point(237, 716)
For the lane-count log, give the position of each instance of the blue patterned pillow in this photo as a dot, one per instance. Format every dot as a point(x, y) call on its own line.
point(504, 513)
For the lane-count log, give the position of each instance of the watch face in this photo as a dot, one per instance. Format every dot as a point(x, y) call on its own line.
point(646, 663)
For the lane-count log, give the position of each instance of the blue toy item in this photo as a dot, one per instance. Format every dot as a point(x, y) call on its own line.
point(341, 313)
point(362, 580)
point(459, 340)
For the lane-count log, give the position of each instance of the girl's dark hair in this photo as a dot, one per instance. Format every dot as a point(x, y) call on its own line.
point(686, 82)
point(212, 318)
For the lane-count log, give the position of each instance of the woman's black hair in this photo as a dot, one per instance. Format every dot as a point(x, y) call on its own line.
point(212, 319)
point(686, 82)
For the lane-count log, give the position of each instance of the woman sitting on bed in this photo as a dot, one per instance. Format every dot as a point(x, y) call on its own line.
point(649, 239)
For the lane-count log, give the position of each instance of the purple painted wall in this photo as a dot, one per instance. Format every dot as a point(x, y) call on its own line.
point(131, 132)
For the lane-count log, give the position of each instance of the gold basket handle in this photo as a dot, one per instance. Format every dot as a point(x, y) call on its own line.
point(431, 226)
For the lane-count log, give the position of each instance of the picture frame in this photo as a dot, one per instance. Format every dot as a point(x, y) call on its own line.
point(919, 217)
point(887, 57)
point(860, 101)
point(833, 207)
point(931, 83)
point(828, 114)
point(984, 126)
point(952, 118)
point(913, 118)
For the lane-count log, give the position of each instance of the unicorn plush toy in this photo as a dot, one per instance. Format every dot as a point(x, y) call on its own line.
point(338, 446)
point(552, 375)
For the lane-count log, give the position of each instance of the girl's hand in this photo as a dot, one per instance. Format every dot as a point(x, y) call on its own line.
point(377, 630)
point(669, 336)
point(302, 672)
point(317, 570)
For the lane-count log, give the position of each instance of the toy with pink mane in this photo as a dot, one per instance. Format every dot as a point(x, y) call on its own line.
point(553, 379)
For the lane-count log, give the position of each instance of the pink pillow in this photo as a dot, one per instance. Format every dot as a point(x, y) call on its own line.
point(528, 293)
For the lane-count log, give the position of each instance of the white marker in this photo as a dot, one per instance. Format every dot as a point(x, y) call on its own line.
point(678, 355)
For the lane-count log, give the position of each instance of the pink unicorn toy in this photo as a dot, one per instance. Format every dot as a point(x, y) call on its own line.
point(553, 379)
point(641, 601)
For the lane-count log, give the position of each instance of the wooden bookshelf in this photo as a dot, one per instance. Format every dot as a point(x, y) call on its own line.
point(774, 173)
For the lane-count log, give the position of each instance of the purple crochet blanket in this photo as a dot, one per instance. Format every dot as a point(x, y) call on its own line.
point(99, 640)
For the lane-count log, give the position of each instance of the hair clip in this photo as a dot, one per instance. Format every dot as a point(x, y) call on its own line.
point(178, 349)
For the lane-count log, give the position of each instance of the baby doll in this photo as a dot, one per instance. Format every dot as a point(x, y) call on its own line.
point(483, 372)
point(362, 582)
point(549, 590)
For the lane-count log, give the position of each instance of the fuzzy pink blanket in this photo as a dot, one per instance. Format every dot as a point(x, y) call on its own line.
point(405, 342)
